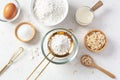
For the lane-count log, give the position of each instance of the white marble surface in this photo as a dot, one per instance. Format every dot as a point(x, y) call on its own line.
point(106, 19)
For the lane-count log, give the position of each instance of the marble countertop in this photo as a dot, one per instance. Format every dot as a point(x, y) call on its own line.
point(106, 19)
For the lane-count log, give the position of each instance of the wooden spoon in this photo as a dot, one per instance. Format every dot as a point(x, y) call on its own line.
point(88, 61)
point(97, 5)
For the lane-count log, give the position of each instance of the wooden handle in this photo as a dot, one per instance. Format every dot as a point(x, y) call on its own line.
point(105, 71)
point(97, 5)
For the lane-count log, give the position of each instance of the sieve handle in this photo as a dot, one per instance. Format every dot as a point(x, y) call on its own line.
point(36, 68)
point(43, 69)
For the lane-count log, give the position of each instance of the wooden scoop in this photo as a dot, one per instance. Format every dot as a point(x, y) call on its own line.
point(97, 5)
point(88, 61)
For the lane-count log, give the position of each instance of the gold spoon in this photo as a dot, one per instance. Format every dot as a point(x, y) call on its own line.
point(88, 61)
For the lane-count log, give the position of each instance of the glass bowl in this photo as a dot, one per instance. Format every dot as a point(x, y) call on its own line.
point(59, 60)
point(3, 3)
point(91, 15)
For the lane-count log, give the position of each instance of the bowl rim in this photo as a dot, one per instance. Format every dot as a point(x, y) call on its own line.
point(19, 25)
point(17, 15)
point(68, 60)
point(61, 20)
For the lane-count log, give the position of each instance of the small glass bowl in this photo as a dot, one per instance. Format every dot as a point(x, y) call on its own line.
point(90, 11)
point(3, 3)
point(59, 60)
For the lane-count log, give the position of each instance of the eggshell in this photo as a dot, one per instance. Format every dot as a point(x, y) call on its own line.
point(10, 11)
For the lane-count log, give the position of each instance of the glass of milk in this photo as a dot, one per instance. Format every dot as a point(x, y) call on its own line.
point(85, 15)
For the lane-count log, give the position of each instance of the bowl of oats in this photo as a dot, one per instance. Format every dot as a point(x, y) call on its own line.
point(95, 40)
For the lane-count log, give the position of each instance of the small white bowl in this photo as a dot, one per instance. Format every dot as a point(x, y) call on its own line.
point(2, 5)
point(65, 14)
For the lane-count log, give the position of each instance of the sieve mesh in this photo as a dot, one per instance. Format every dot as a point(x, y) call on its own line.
point(57, 54)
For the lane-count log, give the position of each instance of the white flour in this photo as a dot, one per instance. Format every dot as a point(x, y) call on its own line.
point(50, 12)
point(60, 44)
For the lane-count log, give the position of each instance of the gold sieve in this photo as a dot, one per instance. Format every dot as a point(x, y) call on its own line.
point(71, 44)
point(53, 53)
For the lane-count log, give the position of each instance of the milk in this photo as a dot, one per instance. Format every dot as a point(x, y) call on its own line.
point(84, 16)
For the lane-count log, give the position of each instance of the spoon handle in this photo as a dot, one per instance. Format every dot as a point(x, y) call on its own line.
point(97, 5)
point(104, 71)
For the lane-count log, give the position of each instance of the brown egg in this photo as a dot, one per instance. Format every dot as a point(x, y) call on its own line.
point(10, 11)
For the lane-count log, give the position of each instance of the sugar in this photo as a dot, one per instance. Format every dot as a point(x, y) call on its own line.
point(25, 32)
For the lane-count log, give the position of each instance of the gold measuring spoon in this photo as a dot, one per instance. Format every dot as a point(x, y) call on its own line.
point(13, 58)
point(88, 61)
